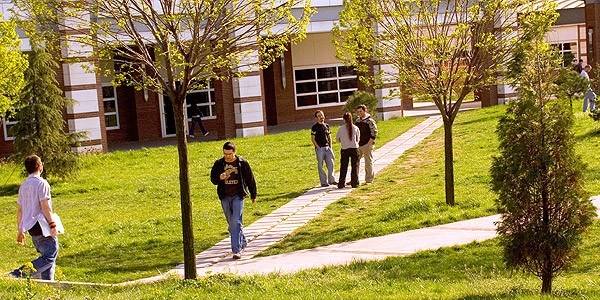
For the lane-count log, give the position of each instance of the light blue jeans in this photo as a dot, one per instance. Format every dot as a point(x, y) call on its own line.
point(589, 99)
point(233, 208)
point(45, 265)
point(325, 154)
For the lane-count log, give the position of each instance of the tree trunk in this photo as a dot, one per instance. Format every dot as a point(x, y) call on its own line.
point(449, 163)
point(547, 283)
point(189, 256)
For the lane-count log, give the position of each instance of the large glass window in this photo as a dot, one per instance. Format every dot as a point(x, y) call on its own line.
point(8, 122)
point(330, 85)
point(204, 99)
point(111, 112)
point(567, 52)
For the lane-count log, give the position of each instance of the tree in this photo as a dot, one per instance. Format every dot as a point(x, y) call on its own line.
point(537, 175)
point(41, 128)
point(362, 97)
point(173, 47)
point(570, 84)
point(439, 49)
point(13, 64)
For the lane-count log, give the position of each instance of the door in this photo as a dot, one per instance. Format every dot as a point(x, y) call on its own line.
point(166, 117)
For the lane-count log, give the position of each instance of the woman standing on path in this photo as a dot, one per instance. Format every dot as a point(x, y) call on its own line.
point(348, 135)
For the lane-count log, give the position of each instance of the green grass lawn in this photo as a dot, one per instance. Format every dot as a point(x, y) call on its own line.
point(473, 271)
point(410, 193)
point(122, 213)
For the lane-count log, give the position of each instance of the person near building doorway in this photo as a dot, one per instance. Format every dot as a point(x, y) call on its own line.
point(321, 139)
point(590, 97)
point(35, 206)
point(368, 133)
point(234, 180)
point(196, 118)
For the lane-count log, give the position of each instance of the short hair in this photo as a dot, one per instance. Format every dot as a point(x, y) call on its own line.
point(32, 163)
point(229, 146)
point(581, 60)
point(587, 66)
point(362, 106)
point(317, 112)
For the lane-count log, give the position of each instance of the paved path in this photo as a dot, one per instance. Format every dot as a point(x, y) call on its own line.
point(275, 226)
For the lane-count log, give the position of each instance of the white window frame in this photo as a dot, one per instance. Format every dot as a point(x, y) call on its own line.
point(316, 81)
point(573, 50)
point(116, 112)
point(5, 123)
point(211, 102)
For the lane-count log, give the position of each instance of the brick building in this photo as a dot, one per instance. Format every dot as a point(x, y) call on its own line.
point(305, 78)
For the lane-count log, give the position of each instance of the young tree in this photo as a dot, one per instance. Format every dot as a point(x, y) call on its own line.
point(176, 46)
point(13, 64)
point(439, 49)
point(537, 175)
point(41, 128)
point(570, 84)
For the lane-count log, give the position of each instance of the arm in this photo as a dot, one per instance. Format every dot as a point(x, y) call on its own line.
point(20, 231)
point(249, 178)
point(215, 173)
point(329, 139)
point(314, 141)
point(47, 211)
point(373, 128)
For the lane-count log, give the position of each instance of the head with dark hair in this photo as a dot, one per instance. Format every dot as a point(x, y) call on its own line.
point(229, 146)
point(348, 123)
point(33, 163)
point(317, 112)
point(362, 106)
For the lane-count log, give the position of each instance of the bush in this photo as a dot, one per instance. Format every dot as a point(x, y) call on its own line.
point(362, 97)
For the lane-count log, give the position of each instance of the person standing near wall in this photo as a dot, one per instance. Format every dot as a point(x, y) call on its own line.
point(321, 139)
point(368, 133)
point(234, 180)
point(35, 206)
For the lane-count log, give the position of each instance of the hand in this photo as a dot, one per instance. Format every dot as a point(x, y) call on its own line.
point(53, 232)
point(20, 238)
point(254, 200)
point(223, 176)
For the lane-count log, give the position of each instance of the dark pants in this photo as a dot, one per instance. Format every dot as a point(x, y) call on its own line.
point(197, 120)
point(350, 154)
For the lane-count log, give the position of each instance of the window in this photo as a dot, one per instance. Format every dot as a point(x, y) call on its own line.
point(329, 85)
point(111, 112)
point(8, 123)
point(566, 52)
point(204, 99)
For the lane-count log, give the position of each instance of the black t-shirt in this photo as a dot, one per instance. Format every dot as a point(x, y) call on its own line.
point(320, 131)
point(232, 187)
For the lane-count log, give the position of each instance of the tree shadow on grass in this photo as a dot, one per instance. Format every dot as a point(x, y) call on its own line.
point(9, 190)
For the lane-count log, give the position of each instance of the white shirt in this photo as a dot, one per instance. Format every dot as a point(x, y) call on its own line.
point(33, 190)
point(342, 137)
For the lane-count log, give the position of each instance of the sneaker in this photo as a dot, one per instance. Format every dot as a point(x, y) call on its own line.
point(15, 273)
point(206, 133)
point(191, 135)
point(324, 185)
point(333, 183)
point(237, 255)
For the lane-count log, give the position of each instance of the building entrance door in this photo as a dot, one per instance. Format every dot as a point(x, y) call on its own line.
point(166, 117)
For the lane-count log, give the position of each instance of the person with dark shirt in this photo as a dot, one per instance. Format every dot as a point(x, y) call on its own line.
point(368, 134)
point(196, 118)
point(234, 180)
point(321, 139)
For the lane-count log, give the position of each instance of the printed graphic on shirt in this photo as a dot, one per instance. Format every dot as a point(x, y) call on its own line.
point(232, 174)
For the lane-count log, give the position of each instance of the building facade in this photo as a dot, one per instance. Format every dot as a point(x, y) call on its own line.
point(307, 77)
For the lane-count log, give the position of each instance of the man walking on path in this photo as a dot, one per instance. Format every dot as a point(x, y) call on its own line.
point(234, 180)
point(590, 96)
point(321, 139)
point(35, 206)
point(196, 118)
point(368, 134)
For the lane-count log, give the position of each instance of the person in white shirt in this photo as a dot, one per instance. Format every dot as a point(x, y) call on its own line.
point(35, 206)
point(590, 97)
point(349, 136)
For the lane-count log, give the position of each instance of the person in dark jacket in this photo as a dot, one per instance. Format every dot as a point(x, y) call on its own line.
point(234, 180)
point(368, 133)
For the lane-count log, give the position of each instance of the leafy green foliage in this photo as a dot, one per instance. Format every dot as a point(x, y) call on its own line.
point(570, 84)
point(537, 176)
point(41, 128)
point(13, 64)
point(362, 97)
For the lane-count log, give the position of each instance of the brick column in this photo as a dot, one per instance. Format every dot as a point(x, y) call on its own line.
point(87, 112)
point(592, 31)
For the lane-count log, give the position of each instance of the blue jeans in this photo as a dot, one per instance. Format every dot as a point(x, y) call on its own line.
point(197, 120)
point(325, 154)
point(233, 208)
point(45, 265)
point(589, 99)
